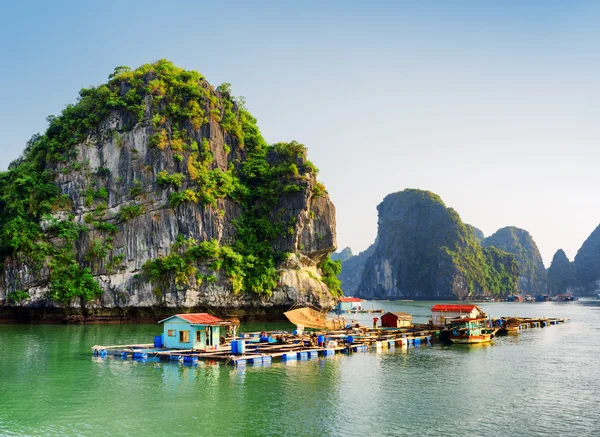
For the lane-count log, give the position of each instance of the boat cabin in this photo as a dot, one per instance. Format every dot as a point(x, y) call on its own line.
point(442, 314)
point(347, 304)
point(192, 331)
point(396, 320)
point(469, 323)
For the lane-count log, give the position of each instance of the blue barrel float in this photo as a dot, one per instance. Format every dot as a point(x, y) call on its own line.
point(289, 356)
point(321, 340)
point(158, 341)
point(238, 347)
point(140, 356)
point(349, 339)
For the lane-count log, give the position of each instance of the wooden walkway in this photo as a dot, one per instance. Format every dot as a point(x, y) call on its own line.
point(291, 347)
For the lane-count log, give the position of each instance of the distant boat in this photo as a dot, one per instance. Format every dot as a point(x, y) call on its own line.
point(471, 331)
point(565, 298)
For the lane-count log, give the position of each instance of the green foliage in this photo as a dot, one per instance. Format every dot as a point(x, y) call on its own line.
point(177, 198)
point(106, 227)
point(129, 212)
point(70, 281)
point(17, 297)
point(319, 190)
point(98, 250)
point(137, 189)
point(103, 172)
point(164, 178)
point(181, 266)
point(329, 275)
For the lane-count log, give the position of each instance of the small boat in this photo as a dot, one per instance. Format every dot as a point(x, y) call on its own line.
point(566, 298)
point(471, 331)
point(512, 325)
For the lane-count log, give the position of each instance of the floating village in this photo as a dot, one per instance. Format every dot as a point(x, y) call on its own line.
point(189, 338)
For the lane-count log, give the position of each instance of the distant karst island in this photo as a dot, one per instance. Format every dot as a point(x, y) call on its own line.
point(424, 251)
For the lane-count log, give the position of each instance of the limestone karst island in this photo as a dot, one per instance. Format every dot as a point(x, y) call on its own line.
point(311, 218)
point(156, 192)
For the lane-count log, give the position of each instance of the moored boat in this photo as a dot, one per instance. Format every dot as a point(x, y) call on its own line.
point(471, 331)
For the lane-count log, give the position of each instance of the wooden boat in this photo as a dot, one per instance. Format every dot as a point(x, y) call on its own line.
point(471, 331)
point(311, 318)
point(512, 325)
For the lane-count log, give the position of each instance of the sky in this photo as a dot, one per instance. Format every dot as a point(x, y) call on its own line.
point(492, 105)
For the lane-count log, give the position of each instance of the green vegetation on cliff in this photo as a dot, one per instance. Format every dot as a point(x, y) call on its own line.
point(176, 104)
point(486, 270)
point(532, 274)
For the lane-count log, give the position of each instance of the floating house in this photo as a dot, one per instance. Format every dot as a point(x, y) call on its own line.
point(396, 320)
point(441, 314)
point(192, 331)
point(348, 304)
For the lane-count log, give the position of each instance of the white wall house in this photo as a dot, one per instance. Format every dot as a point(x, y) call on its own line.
point(441, 314)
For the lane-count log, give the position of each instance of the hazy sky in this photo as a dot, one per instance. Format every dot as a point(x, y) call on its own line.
point(492, 105)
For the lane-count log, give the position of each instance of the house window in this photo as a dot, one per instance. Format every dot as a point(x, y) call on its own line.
point(184, 336)
point(172, 333)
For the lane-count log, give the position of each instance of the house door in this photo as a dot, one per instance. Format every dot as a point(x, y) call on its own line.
point(209, 340)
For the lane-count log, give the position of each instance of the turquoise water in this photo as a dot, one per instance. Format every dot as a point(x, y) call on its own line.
point(542, 382)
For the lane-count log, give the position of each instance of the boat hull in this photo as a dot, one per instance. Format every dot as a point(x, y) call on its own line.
point(472, 339)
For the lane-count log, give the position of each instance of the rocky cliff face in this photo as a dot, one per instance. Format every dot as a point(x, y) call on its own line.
point(561, 273)
point(532, 274)
point(160, 189)
point(424, 251)
point(342, 255)
point(477, 232)
point(587, 265)
point(352, 271)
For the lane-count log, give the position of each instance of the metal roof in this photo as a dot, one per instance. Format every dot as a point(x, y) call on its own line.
point(349, 299)
point(197, 319)
point(451, 307)
point(400, 315)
